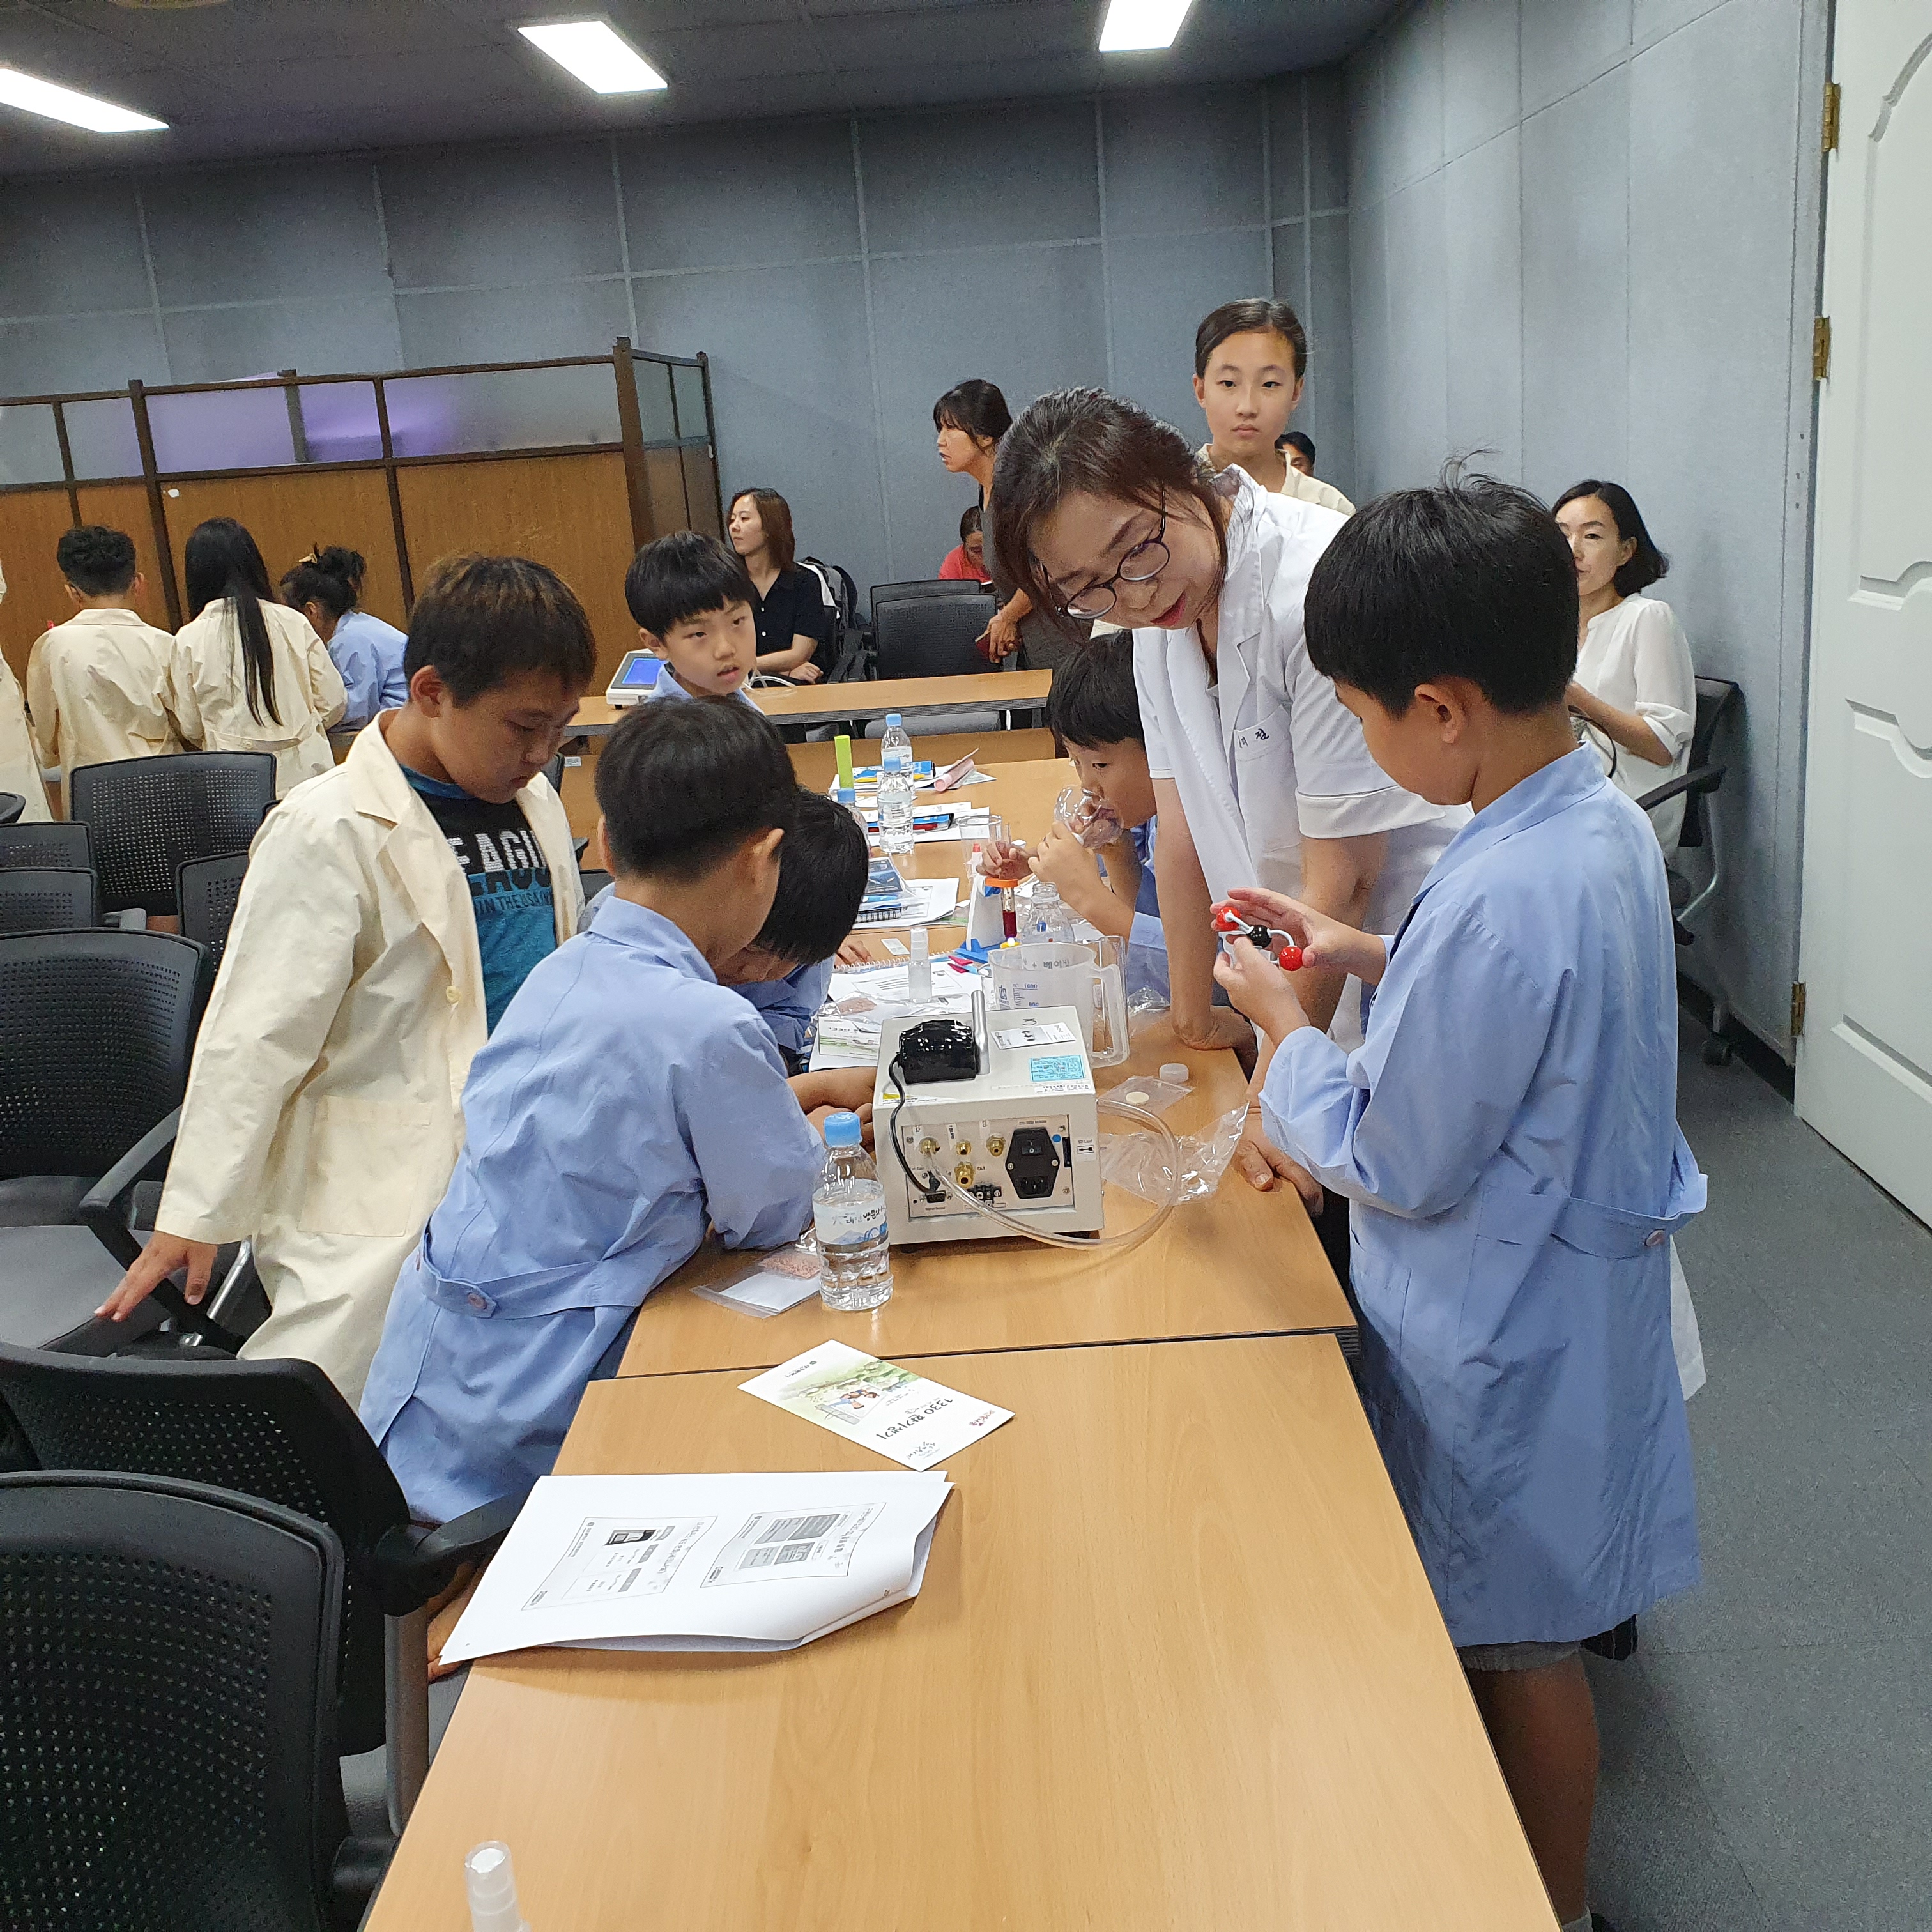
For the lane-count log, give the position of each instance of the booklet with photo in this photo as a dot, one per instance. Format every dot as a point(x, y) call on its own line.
point(879, 1404)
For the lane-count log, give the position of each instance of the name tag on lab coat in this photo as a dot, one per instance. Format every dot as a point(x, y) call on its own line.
point(1258, 738)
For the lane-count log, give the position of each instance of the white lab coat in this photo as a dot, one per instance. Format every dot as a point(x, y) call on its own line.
point(1635, 655)
point(20, 764)
point(97, 687)
point(208, 692)
point(1269, 752)
point(323, 1115)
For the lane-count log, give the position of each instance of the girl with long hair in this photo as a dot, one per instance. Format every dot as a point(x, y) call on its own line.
point(249, 674)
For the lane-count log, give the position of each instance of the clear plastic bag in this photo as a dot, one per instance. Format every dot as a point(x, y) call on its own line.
point(1139, 1163)
point(1145, 1003)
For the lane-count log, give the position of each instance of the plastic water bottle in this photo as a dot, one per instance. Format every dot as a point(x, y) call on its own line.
point(896, 787)
point(848, 1217)
point(848, 797)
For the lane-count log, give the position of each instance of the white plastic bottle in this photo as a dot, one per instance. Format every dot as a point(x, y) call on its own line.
point(848, 1217)
point(491, 1883)
point(896, 787)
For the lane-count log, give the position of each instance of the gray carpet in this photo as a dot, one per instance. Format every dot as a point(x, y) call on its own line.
point(1767, 1754)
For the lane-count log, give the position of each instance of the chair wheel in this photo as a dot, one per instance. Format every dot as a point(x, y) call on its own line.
point(1718, 1051)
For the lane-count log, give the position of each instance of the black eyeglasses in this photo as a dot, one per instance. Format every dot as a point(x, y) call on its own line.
point(1141, 565)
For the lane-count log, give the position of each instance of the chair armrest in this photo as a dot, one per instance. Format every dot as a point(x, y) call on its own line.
point(413, 1564)
point(103, 1208)
point(103, 1212)
point(1705, 778)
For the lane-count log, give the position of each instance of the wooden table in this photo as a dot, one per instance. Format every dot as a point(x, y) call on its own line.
point(814, 764)
point(1238, 1263)
point(826, 703)
point(1175, 1665)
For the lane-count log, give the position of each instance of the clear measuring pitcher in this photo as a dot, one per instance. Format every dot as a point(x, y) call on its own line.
point(1086, 974)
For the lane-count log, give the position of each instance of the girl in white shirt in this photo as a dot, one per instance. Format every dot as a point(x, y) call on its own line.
point(1260, 773)
point(248, 673)
point(1634, 689)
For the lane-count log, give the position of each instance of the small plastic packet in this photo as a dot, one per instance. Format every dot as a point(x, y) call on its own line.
point(1139, 1162)
point(1156, 1095)
point(1145, 1003)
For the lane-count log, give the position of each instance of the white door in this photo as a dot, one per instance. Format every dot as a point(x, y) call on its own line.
point(1864, 1059)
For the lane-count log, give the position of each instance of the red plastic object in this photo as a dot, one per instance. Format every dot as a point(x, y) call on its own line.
point(1289, 958)
point(1228, 920)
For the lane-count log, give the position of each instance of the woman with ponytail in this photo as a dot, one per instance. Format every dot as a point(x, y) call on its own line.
point(249, 674)
point(326, 587)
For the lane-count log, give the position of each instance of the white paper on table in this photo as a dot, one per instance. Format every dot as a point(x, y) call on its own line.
point(768, 1285)
point(877, 1404)
point(738, 1562)
point(871, 994)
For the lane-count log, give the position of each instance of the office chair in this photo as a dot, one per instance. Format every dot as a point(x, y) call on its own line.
point(277, 1430)
point(97, 1028)
point(1700, 832)
point(170, 1706)
point(936, 636)
point(11, 806)
point(49, 843)
point(148, 815)
point(207, 891)
point(924, 588)
point(46, 898)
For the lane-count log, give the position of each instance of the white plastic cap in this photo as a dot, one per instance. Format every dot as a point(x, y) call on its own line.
point(1175, 1070)
point(492, 1885)
point(922, 943)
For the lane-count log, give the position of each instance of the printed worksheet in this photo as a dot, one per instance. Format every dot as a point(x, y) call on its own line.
point(888, 1408)
point(701, 1562)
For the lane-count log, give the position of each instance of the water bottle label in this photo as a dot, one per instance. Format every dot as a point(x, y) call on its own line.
point(844, 1224)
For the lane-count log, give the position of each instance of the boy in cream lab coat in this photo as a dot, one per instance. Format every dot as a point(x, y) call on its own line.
point(391, 907)
point(97, 684)
point(20, 764)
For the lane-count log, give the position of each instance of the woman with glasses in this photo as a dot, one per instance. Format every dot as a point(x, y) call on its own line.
point(1260, 774)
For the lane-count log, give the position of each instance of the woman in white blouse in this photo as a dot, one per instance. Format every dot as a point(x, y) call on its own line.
point(1634, 689)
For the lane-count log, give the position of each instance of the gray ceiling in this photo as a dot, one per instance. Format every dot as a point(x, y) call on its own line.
point(238, 78)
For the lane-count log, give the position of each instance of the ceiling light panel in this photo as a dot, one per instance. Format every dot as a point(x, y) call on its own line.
point(1132, 25)
point(62, 103)
point(595, 52)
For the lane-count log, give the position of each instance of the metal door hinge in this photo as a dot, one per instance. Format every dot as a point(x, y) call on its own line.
point(1821, 348)
point(1797, 1008)
point(1830, 128)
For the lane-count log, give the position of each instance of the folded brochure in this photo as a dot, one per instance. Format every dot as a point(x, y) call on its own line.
point(877, 1404)
point(701, 1562)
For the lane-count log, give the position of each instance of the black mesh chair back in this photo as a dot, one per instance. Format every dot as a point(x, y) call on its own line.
point(96, 1030)
point(277, 1430)
point(933, 636)
point(167, 1712)
point(46, 843)
point(148, 816)
point(11, 806)
point(1715, 696)
point(924, 587)
point(46, 898)
point(207, 891)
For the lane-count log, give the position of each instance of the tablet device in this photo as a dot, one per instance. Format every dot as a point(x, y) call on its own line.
point(637, 678)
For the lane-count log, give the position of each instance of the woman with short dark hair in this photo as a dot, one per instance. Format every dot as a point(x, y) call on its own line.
point(1635, 691)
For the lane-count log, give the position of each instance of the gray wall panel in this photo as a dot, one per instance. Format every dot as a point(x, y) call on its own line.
point(1327, 94)
point(1484, 306)
point(492, 217)
point(242, 234)
point(1630, 251)
point(70, 242)
point(1288, 169)
point(523, 325)
point(714, 197)
point(1576, 286)
point(1218, 129)
point(1412, 101)
point(1327, 411)
point(77, 352)
point(1161, 287)
point(980, 176)
point(226, 345)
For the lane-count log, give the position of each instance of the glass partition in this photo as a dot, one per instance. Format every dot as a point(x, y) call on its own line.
point(29, 444)
point(503, 409)
point(688, 384)
point(221, 429)
point(100, 437)
point(656, 410)
point(340, 423)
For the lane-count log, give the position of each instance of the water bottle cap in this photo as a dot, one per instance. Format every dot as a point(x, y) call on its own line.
point(848, 796)
point(842, 1130)
point(891, 718)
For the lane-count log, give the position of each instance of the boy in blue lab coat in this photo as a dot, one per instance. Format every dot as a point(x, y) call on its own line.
point(625, 1100)
point(1506, 1131)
